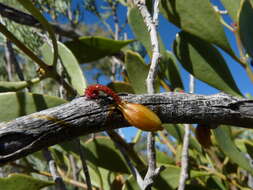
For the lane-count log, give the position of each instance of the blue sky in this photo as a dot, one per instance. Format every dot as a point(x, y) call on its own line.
point(168, 32)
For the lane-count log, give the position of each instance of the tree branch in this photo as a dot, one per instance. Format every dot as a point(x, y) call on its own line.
point(33, 132)
point(28, 20)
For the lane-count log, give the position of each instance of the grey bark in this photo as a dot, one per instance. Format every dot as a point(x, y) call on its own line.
point(33, 132)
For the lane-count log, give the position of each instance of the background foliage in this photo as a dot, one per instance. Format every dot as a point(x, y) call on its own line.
point(42, 68)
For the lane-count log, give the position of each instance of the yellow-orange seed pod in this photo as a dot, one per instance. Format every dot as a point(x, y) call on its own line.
point(140, 116)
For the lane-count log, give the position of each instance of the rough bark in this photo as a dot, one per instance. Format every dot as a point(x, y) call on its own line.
point(33, 132)
point(28, 20)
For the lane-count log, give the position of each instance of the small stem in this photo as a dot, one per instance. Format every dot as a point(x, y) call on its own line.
point(84, 164)
point(137, 136)
point(151, 23)
point(52, 167)
point(184, 156)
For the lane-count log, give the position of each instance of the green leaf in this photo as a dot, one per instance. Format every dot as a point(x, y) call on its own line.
point(168, 179)
point(28, 5)
point(141, 32)
point(92, 48)
point(137, 71)
point(71, 65)
point(170, 71)
point(204, 62)
point(121, 87)
point(164, 158)
point(215, 182)
point(226, 144)
point(16, 104)
point(245, 28)
point(177, 131)
point(23, 182)
point(104, 181)
point(6, 86)
point(249, 147)
point(102, 152)
point(197, 17)
point(232, 6)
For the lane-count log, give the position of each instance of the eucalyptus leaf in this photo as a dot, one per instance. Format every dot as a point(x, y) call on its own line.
point(226, 144)
point(7, 86)
point(92, 48)
point(169, 70)
point(204, 62)
point(102, 152)
point(137, 71)
point(23, 182)
point(70, 64)
point(232, 6)
point(121, 87)
point(245, 26)
point(199, 18)
point(16, 104)
point(105, 180)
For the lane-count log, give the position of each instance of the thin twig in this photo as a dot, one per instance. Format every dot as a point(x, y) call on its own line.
point(84, 164)
point(184, 156)
point(73, 167)
point(152, 170)
point(52, 167)
point(151, 23)
point(152, 28)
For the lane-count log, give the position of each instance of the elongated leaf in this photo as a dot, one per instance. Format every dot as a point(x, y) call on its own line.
point(228, 147)
point(204, 62)
point(245, 26)
point(215, 182)
point(71, 65)
point(121, 87)
point(16, 104)
point(232, 6)
point(137, 71)
point(6, 86)
point(91, 48)
point(104, 181)
point(163, 158)
point(249, 148)
point(170, 71)
point(197, 17)
point(102, 153)
point(28, 5)
point(23, 182)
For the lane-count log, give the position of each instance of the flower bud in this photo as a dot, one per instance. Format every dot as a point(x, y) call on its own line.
point(140, 116)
